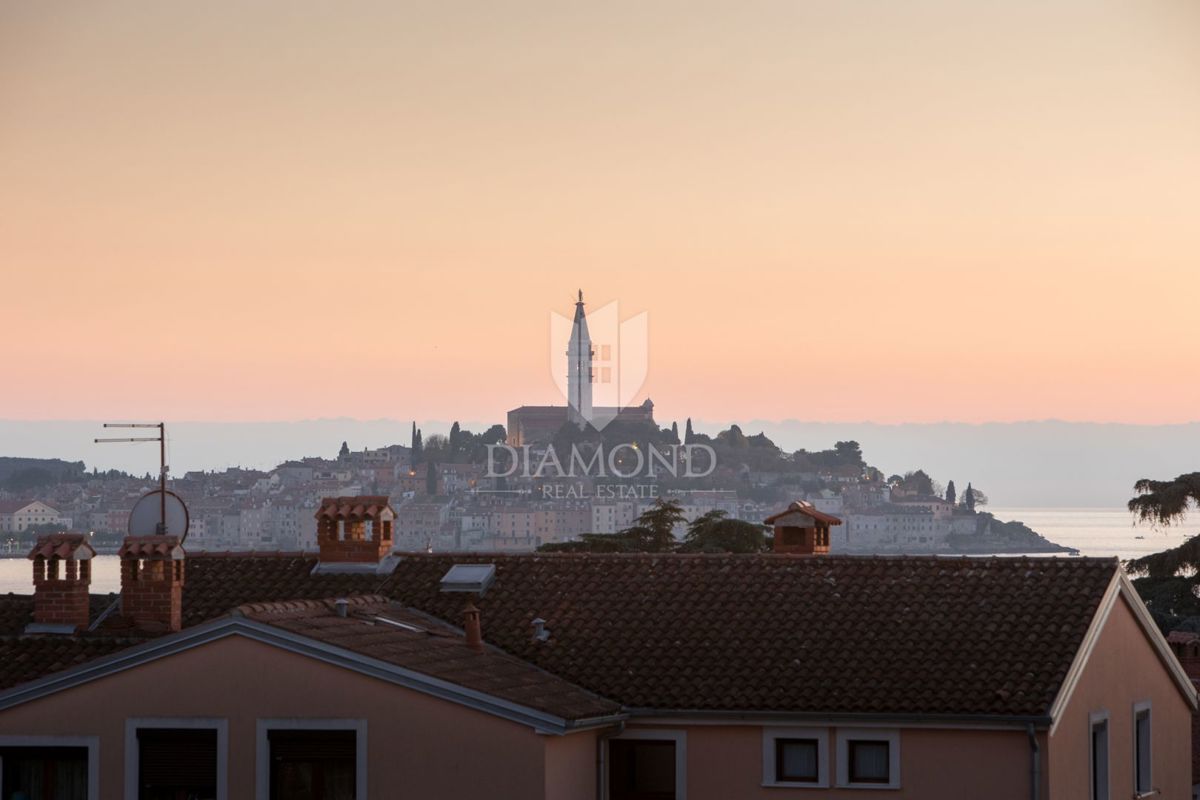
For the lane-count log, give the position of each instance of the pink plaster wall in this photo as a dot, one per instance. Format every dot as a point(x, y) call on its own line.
point(418, 746)
point(571, 766)
point(726, 762)
point(1122, 670)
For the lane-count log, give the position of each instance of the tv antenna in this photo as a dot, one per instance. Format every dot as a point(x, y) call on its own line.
point(170, 506)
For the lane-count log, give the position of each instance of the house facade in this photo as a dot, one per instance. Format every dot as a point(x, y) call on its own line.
point(588, 676)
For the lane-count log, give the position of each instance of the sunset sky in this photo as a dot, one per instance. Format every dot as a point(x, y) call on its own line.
point(854, 210)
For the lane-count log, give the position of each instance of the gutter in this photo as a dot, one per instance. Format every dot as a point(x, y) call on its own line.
point(1035, 765)
point(914, 719)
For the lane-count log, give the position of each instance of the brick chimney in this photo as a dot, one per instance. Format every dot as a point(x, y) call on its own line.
point(62, 575)
point(801, 529)
point(354, 530)
point(152, 582)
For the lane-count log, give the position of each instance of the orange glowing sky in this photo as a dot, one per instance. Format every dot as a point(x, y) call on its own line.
point(831, 210)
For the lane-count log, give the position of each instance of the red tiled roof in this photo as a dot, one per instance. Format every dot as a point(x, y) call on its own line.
point(428, 646)
point(153, 546)
point(832, 634)
point(352, 508)
point(31, 657)
point(60, 545)
point(836, 634)
point(804, 507)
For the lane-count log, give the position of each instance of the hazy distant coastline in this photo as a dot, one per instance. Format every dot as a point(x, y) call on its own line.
point(1032, 464)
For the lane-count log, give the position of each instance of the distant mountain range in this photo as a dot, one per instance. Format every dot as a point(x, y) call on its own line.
point(1037, 464)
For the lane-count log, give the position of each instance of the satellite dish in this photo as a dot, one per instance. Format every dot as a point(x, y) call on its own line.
point(148, 512)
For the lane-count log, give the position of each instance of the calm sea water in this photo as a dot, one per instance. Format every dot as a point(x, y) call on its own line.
point(1092, 531)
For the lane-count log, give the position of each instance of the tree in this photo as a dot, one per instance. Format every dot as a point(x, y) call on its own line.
point(850, 453)
point(714, 532)
point(918, 483)
point(969, 497)
point(418, 448)
point(675, 433)
point(431, 479)
point(1165, 502)
point(344, 453)
point(951, 493)
point(654, 530)
point(456, 441)
point(688, 436)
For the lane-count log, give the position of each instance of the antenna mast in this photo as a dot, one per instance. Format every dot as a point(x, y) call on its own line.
point(162, 459)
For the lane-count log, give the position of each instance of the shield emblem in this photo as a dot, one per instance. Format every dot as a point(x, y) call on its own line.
point(619, 360)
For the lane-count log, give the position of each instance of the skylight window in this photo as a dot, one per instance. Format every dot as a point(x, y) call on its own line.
point(469, 578)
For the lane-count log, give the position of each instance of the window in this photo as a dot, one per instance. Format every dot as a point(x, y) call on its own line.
point(647, 765)
point(311, 759)
point(868, 761)
point(312, 765)
point(176, 763)
point(1142, 771)
point(795, 757)
point(44, 773)
point(869, 758)
point(1099, 756)
point(172, 758)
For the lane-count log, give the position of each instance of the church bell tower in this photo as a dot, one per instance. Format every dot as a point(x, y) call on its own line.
point(579, 368)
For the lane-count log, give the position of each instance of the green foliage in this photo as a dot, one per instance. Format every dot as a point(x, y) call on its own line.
point(969, 498)
point(656, 526)
point(29, 478)
point(1165, 502)
point(714, 532)
point(918, 483)
point(951, 493)
point(431, 479)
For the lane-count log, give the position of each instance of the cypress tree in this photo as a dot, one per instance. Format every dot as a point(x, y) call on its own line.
point(951, 493)
point(969, 498)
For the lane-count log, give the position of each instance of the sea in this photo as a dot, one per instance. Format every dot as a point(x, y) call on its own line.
point(1091, 531)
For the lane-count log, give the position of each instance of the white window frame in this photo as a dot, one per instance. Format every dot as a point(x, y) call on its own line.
point(1143, 707)
point(771, 734)
point(661, 734)
point(847, 735)
point(262, 748)
point(1095, 719)
point(133, 752)
point(92, 743)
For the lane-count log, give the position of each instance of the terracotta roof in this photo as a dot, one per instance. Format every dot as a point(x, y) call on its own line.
point(61, 545)
point(29, 658)
point(352, 508)
point(804, 507)
point(214, 583)
point(384, 630)
point(152, 546)
point(835, 634)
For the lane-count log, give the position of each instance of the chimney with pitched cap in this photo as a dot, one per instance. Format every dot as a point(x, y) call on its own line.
point(152, 582)
point(354, 529)
point(473, 628)
point(62, 575)
point(801, 529)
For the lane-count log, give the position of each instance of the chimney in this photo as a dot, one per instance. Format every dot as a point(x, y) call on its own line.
point(354, 530)
point(152, 582)
point(801, 529)
point(62, 574)
point(472, 627)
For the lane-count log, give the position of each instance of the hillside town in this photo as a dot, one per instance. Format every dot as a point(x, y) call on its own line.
point(454, 505)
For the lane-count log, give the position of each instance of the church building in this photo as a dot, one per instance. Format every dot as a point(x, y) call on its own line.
point(531, 425)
